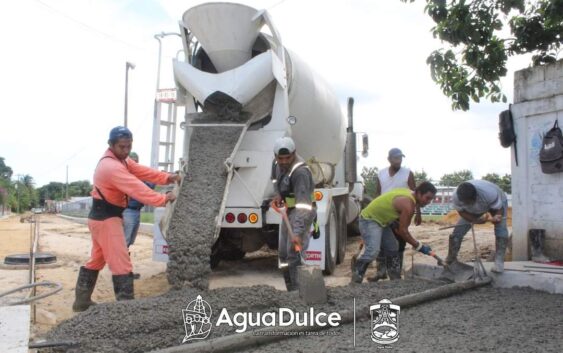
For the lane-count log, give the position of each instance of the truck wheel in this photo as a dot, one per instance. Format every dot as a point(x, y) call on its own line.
point(342, 233)
point(331, 241)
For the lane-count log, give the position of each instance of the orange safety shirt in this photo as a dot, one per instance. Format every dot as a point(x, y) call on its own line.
point(116, 179)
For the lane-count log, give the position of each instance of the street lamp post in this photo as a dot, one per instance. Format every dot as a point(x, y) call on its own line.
point(128, 65)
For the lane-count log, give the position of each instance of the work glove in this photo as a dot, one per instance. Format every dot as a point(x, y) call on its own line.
point(425, 249)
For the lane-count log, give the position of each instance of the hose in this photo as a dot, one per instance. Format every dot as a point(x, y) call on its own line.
point(56, 288)
point(47, 344)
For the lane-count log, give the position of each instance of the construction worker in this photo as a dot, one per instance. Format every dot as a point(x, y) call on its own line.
point(116, 176)
point(132, 216)
point(395, 176)
point(294, 188)
point(475, 200)
point(397, 204)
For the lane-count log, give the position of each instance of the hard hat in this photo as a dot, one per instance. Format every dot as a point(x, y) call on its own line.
point(284, 145)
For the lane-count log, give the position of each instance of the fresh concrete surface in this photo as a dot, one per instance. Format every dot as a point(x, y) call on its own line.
point(547, 278)
point(14, 329)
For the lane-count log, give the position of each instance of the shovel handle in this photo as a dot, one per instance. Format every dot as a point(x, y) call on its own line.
point(438, 258)
point(295, 240)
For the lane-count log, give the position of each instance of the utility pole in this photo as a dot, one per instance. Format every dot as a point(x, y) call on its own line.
point(128, 65)
point(18, 176)
point(66, 193)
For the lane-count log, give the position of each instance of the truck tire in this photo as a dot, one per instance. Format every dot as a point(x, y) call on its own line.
point(331, 241)
point(342, 233)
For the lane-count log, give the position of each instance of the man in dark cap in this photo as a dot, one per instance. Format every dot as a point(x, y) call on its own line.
point(116, 177)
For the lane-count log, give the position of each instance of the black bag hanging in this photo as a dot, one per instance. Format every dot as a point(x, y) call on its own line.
point(551, 153)
point(507, 135)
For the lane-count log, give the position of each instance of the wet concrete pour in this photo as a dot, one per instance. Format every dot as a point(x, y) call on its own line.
point(486, 319)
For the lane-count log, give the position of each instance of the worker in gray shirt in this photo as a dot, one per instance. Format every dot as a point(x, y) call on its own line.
point(475, 200)
point(294, 187)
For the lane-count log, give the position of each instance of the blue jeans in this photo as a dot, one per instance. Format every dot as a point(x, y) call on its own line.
point(463, 226)
point(131, 221)
point(286, 250)
point(376, 237)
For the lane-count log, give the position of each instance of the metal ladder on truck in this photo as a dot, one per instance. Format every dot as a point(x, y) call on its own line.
point(165, 100)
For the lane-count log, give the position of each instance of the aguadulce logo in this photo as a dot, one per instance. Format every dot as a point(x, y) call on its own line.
point(197, 320)
point(385, 322)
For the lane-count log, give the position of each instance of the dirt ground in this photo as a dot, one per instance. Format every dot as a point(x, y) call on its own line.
point(70, 242)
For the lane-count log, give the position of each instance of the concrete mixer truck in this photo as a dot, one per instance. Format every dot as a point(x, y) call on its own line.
point(236, 74)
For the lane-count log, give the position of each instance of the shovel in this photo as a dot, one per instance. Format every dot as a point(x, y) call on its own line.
point(294, 239)
point(456, 271)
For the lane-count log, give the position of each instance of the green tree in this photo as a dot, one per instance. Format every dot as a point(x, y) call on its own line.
point(421, 176)
point(504, 182)
point(52, 191)
point(7, 187)
point(5, 171)
point(79, 188)
point(369, 175)
point(456, 178)
point(26, 195)
point(478, 44)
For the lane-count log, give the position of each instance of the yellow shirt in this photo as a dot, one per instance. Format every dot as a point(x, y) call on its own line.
point(381, 209)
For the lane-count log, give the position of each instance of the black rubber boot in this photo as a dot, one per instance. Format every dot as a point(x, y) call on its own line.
point(381, 273)
point(401, 253)
point(123, 286)
point(453, 249)
point(537, 240)
point(360, 271)
point(287, 279)
point(293, 282)
point(393, 267)
point(84, 287)
point(501, 244)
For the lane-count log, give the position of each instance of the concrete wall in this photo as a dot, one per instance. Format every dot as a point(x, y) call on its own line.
point(537, 198)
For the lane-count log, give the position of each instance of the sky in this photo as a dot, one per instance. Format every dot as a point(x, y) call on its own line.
point(62, 81)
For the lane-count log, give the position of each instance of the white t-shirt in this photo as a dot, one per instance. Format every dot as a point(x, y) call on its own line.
point(399, 180)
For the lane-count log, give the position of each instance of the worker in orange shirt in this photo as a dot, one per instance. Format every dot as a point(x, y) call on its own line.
point(116, 178)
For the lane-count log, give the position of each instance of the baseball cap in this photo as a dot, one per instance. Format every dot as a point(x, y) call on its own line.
point(395, 152)
point(120, 132)
point(284, 145)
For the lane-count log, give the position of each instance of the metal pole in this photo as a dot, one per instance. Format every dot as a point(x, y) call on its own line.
point(128, 65)
point(66, 192)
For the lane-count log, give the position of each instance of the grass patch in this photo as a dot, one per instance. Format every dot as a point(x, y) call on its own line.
point(432, 218)
point(147, 217)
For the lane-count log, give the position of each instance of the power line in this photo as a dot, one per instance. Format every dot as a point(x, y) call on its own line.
point(276, 4)
point(90, 28)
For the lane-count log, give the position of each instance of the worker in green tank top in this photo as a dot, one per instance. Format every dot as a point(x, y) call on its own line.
point(397, 204)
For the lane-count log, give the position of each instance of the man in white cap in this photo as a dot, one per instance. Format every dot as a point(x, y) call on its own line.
point(395, 176)
point(294, 186)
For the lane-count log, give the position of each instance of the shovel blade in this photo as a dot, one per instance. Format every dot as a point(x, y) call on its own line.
point(457, 272)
